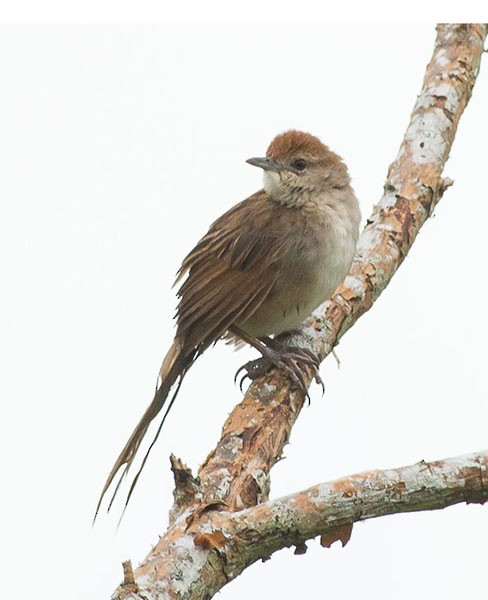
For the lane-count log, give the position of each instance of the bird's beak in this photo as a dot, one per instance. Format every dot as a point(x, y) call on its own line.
point(265, 163)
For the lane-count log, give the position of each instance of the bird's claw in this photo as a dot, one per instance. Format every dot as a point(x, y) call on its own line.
point(295, 362)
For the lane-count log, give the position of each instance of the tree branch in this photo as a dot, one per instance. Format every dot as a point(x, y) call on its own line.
point(188, 561)
point(228, 542)
point(254, 435)
point(330, 509)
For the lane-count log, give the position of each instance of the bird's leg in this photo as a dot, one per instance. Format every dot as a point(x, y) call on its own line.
point(295, 361)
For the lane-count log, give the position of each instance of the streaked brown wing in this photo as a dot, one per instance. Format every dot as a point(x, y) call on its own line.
point(230, 271)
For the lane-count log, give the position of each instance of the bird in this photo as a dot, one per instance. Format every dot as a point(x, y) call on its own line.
point(260, 270)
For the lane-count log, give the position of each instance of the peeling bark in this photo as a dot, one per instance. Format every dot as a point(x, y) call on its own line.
point(196, 561)
point(222, 522)
point(330, 509)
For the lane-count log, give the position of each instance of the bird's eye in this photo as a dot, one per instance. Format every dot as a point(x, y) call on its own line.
point(299, 164)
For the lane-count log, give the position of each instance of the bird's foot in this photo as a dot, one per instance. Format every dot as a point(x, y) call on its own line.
point(296, 362)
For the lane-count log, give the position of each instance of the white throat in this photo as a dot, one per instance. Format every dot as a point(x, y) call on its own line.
point(271, 182)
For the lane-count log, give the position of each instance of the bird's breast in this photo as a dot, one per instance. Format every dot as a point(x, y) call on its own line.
point(317, 258)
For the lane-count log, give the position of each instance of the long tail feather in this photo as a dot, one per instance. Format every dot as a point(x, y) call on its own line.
point(175, 366)
point(134, 481)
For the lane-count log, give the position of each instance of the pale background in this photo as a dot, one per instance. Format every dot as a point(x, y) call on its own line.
point(118, 147)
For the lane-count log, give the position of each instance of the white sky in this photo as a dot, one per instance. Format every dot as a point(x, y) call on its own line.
point(118, 147)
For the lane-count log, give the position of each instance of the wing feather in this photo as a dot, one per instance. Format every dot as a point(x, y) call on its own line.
point(231, 271)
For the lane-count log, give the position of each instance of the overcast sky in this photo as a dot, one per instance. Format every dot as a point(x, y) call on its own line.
point(118, 147)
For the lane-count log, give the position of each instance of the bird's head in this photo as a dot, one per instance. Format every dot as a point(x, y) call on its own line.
point(297, 167)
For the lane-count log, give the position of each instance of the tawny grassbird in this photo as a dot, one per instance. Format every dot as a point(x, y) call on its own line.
point(261, 269)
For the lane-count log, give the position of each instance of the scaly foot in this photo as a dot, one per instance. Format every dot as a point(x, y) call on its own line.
point(294, 361)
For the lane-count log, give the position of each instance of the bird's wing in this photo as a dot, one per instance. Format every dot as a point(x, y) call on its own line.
point(231, 271)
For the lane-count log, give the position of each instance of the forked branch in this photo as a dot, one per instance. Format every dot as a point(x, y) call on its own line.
point(214, 515)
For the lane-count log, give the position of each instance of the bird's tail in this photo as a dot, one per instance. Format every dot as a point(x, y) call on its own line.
point(175, 365)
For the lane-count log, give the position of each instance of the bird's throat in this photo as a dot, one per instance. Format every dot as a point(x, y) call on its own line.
point(272, 182)
point(286, 191)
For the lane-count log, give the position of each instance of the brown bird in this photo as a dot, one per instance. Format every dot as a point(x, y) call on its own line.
point(261, 269)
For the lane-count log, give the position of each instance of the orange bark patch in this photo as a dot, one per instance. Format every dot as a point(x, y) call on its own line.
point(342, 534)
point(209, 541)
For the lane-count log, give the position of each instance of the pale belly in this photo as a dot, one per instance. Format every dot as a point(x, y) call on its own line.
point(302, 288)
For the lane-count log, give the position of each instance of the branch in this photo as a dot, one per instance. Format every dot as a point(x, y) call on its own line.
point(231, 541)
point(186, 562)
point(330, 509)
point(256, 431)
